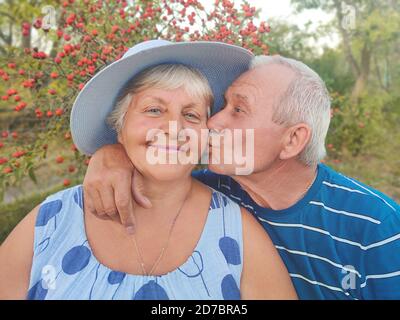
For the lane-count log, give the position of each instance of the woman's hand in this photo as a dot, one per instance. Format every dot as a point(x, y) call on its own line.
point(264, 274)
point(112, 186)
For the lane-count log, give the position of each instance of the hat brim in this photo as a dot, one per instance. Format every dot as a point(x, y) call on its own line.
point(220, 63)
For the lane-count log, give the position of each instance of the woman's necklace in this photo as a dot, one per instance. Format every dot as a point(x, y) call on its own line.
point(158, 260)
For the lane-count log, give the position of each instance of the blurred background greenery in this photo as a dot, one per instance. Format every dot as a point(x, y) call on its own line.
point(355, 48)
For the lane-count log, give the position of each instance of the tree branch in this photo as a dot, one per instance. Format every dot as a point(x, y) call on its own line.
point(379, 75)
point(7, 15)
point(4, 37)
point(346, 39)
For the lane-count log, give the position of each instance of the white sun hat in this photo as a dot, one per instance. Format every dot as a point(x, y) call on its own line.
point(219, 62)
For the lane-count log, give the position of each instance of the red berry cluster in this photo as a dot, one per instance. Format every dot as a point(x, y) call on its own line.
point(39, 84)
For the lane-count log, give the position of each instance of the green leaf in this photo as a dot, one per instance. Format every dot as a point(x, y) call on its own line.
point(32, 175)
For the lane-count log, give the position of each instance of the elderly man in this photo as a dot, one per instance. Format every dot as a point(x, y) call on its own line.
point(339, 238)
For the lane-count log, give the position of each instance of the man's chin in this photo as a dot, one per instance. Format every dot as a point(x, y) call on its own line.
point(224, 169)
point(230, 169)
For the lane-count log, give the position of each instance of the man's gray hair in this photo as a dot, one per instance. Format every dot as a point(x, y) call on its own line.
point(305, 100)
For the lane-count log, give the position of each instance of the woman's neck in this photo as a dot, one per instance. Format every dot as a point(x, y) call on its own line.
point(165, 195)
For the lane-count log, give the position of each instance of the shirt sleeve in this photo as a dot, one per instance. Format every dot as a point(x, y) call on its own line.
point(381, 261)
point(209, 178)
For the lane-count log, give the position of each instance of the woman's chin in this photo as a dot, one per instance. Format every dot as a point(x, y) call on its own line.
point(169, 172)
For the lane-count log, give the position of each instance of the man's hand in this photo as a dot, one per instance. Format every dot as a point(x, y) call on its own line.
point(112, 186)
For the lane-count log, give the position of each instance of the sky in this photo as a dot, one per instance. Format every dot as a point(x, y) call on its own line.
point(282, 9)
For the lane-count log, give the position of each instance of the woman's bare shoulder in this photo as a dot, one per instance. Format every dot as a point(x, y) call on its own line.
point(264, 274)
point(16, 254)
point(23, 232)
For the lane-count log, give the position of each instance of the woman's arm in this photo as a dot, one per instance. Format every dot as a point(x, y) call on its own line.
point(16, 254)
point(264, 275)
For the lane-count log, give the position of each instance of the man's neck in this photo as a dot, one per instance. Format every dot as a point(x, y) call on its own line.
point(280, 186)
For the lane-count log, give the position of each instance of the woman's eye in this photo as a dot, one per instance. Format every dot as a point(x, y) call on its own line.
point(153, 110)
point(192, 116)
point(237, 109)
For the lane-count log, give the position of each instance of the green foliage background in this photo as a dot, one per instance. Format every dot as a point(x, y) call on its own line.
point(362, 73)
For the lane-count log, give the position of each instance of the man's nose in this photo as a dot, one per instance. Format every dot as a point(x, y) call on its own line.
point(217, 121)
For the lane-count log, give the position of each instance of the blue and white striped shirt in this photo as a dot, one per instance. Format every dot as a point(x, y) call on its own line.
point(341, 241)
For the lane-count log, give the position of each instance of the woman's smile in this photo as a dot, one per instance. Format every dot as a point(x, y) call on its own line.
point(170, 148)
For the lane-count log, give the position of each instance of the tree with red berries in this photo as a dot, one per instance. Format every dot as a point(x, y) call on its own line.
point(50, 49)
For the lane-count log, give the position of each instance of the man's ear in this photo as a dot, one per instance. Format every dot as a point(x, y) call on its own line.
point(295, 140)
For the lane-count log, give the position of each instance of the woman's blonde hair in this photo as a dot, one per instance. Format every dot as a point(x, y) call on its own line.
point(164, 76)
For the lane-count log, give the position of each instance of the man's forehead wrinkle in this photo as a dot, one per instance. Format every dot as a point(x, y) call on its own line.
point(250, 90)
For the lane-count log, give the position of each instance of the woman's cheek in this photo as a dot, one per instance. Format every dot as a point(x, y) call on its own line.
point(199, 140)
point(140, 128)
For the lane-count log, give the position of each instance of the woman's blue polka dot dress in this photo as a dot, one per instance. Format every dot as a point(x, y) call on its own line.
point(64, 266)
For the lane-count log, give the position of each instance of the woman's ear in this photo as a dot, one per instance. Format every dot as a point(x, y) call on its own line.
point(120, 138)
point(295, 140)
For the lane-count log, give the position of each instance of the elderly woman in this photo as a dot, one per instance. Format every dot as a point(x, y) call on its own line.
point(193, 243)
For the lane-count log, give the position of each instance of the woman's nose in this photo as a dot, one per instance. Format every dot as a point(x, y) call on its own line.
point(172, 125)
